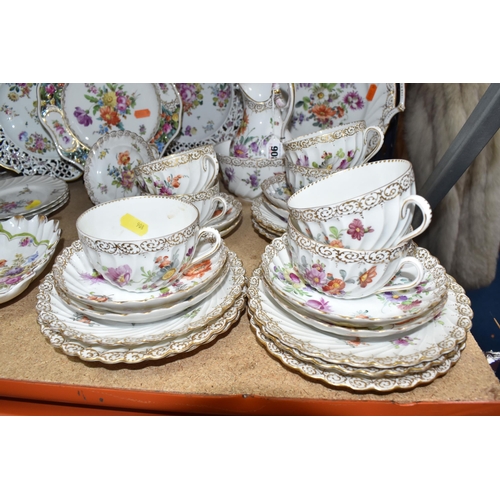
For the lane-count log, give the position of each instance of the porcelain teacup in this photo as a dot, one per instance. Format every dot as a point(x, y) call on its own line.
point(337, 148)
point(350, 274)
point(143, 243)
point(180, 173)
point(367, 207)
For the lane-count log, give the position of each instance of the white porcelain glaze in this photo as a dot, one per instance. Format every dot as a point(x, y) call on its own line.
point(367, 207)
point(187, 172)
point(350, 274)
point(371, 312)
point(152, 249)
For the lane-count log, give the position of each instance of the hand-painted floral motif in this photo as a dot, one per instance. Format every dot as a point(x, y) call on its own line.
point(168, 186)
point(36, 143)
point(191, 95)
point(326, 103)
point(111, 105)
point(198, 270)
point(291, 281)
point(356, 229)
point(13, 272)
point(367, 277)
point(122, 172)
point(8, 110)
point(19, 90)
point(169, 124)
point(61, 131)
point(11, 206)
point(407, 301)
point(119, 275)
point(221, 95)
point(404, 342)
point(93, 277)
point(253, 180)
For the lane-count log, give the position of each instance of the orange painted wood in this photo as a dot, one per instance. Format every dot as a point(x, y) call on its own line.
point(95, 399)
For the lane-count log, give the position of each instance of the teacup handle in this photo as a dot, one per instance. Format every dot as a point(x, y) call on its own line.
point(405, 286)
point(378, 131)
point(426, 210)
point(215, 201)
point(216, 247)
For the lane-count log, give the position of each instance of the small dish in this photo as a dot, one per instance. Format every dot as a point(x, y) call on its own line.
point(26, 247)
point(75, 277)
point(266, 218)
point(109, 168)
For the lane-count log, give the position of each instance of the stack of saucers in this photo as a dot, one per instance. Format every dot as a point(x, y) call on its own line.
point(32, 195)
point(119, 295)
point(382, 318)
point(192, 176)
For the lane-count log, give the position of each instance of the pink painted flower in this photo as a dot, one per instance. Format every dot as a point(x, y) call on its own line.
point(357, 231)
point(119, 275)
point(320, 305)
point(315, 276)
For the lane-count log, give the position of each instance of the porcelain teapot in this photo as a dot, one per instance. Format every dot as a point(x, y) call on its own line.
point(265, 118)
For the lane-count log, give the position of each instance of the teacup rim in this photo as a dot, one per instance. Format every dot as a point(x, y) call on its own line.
point(301, 192)
point(194, 222)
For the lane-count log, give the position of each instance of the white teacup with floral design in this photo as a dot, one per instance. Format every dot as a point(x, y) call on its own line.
point(364, 208)
point(180, 173)
point(350, 274)
point(143, 243)
point(338, 148)
point(243, 176)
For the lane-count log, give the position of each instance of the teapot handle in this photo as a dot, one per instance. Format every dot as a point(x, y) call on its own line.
point(289, 112)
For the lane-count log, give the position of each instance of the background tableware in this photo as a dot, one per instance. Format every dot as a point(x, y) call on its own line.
point(334, 148)
point(367, 207)
point(180, 173)
point(349, 274)
point(144, 242)
point(243, 176)
point(109, 168)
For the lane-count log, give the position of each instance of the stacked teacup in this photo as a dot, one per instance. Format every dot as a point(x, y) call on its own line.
point(190, 176)
point(145, 280)
point(312, 157)
point(350, 233)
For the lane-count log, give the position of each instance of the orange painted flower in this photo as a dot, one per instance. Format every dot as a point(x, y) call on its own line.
point(110, 116)
point(3, 262)
point(198, 270)
point(322, 112)
point(334, 287)
point(123, 158)
point(367, 277)
point(336, 244)
point(175, 181)
point(98, 298)
point(163, 261)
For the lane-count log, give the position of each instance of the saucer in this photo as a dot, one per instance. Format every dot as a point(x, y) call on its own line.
point(109, 173)
point(28, 195)
point(373, 311)
point(276, 191)
point(438, 337)
point(139, 353)
point(56, 314)
point(385, 331)
point(151, 315)
point(266, 218)
point(75, 277)
point(358, 382)
point(269, 235)
point(280, 212)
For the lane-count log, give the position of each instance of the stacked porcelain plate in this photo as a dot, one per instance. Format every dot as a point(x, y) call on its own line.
point(369, 319)
point(30, 196)
point(113, 302)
